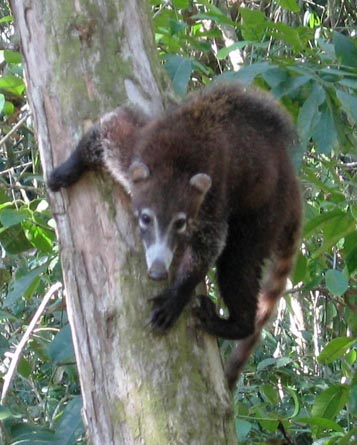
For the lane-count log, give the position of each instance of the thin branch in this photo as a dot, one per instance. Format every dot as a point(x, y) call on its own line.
point(20, 347)
point(14, 128)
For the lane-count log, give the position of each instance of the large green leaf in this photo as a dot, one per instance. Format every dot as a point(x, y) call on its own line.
point(335, 349)
point(330, 402)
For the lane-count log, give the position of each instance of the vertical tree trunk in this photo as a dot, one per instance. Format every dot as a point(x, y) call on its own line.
point(82, 58)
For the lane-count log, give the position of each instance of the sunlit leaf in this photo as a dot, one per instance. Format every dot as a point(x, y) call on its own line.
point(335, 349)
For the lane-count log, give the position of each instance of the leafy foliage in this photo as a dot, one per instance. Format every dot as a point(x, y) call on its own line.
point(301, 386)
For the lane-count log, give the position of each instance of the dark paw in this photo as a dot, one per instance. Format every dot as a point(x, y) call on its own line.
point(205, 312)
point(165, 312)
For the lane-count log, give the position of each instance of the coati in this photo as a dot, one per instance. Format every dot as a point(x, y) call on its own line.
point(211, 183)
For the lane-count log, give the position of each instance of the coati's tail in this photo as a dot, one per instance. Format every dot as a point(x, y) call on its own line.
point(272, 288)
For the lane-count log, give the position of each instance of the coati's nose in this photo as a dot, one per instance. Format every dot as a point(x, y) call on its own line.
point(158, 271)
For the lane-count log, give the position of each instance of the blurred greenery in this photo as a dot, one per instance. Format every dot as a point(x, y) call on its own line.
point(301, 385)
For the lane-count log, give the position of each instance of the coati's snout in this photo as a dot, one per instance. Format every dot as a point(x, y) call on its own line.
point(160, 241)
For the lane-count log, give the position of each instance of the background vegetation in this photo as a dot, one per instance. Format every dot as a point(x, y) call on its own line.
point(301, 385)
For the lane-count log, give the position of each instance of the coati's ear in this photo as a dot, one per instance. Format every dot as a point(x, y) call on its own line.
point(138, 171)
point(201, 182)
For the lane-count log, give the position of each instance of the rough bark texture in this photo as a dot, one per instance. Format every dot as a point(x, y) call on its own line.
point(83, 57)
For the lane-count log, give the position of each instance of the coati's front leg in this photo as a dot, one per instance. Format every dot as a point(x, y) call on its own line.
point(106, 145)
point(205, 247)
point(87, 154)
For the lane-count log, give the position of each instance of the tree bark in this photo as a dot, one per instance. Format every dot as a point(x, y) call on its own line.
point(83, 58)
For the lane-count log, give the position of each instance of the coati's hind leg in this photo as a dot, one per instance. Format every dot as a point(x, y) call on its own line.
point(274, 284)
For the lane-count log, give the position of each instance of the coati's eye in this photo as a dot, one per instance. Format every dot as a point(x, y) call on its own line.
point(145, 220)
point(180, 224)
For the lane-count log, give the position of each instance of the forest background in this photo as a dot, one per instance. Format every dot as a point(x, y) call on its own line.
point(301, 385)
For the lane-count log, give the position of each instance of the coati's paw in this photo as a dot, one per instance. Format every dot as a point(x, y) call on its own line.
point(205, 312)
point(165, 311)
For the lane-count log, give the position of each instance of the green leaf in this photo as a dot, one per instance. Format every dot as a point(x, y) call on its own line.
point(11, 217)
point(348, 103)
point(181, 4)
point(38, 236)
point(346, 50)
point(325, 134)
point(317, 223)
point(353, 400)
point(243, 428)
point(335, 230)
point(23, 285)
point(247, 74)
point(70, 427)
point(320, 422)
point(13, 240)
point(61, 350)
point(4, 315)
point(8, 109)
point(336, 282)
point(12, 56)
point(309, 114)
point(224, 52)
point(335, 349)
point(180, 70)
point(254, 24)
point(24, 368)
point(6, 19)
point(270, 393)
point(287, 34)
point(350, 251)
point(291, 5)
point(12, 84)
point(5, 413)
point(300, 269)
point(330, 402)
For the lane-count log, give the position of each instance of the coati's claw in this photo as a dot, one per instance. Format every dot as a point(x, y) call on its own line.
point(165, 313)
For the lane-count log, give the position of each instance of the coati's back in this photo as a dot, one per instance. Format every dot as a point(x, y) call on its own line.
point(239, 138)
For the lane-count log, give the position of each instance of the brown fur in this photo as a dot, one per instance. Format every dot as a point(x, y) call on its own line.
point(221, 159)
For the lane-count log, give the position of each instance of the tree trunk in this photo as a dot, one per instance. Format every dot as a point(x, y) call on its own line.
point(82, 58)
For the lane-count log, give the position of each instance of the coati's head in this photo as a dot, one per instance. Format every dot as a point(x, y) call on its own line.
point(166, 210)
